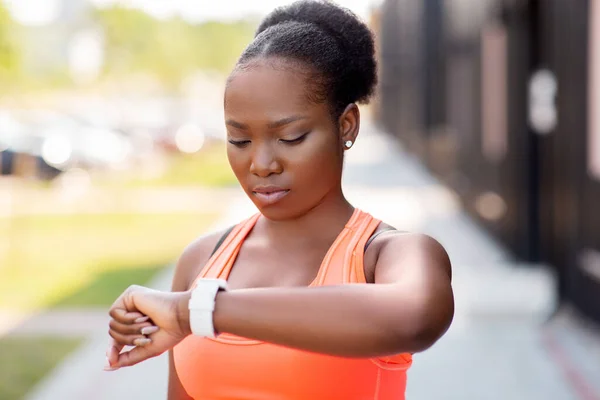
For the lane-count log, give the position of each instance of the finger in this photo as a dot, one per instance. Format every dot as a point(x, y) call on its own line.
point(125, 317)
point(112, 354)
point(141, 319)
point(133, 329)
point(129, 340)
point(134, 356)
point(149, 330)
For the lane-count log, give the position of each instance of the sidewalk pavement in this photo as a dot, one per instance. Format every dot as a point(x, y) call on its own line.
point(499, 346)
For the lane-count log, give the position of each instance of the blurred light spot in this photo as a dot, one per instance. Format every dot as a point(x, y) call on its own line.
point(9, 128)
point(34, 12)
point(86, 56)
point(544, 119)
point(542, 94)
point(589, 261)
point(491, 206)
point(57, 151)
point(189, 138)
point(107, 147)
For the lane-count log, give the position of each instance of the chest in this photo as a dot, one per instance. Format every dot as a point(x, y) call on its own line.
point(260, 265)
point(250, 261)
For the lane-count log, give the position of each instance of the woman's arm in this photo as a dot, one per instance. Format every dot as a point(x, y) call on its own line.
point(408, 309)
point(195, 255)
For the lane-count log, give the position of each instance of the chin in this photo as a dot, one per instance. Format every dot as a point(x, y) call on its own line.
point(280, 212)
point(275, 213)
point(284, 210)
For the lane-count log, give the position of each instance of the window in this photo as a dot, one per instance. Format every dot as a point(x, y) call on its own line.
point(494, 91)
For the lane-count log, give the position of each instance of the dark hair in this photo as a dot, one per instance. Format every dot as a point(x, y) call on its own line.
point(332, 40)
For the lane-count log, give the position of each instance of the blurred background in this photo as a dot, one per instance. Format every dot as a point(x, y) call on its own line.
point(485, 133)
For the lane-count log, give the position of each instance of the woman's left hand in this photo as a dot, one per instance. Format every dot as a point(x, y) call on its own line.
point(169, 324)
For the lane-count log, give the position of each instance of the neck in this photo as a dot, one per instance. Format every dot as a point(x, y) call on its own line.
point(322, 223)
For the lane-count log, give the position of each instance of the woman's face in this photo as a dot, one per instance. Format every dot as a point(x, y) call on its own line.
point(285, 150)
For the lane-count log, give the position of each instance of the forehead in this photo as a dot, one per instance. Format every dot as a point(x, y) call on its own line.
point(270, 88)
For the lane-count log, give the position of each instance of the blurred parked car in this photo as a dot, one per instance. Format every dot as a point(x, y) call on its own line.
point(59, 142)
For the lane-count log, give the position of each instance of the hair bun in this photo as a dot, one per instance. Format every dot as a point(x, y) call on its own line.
point(328, 16)
point(346, 28)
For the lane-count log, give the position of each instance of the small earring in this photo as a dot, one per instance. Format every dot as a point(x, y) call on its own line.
point(348, 144)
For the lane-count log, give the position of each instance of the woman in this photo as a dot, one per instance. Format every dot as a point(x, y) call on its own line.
point(322, 301)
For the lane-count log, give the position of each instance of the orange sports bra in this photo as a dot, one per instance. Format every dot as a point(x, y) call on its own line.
point(231, 367)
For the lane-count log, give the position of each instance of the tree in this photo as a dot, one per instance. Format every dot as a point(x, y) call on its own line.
point(170, 49)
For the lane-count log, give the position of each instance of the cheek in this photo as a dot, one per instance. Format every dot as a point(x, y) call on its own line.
point(237, 161)
point(318, 164)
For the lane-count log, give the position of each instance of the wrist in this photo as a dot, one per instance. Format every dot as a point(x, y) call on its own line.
point(218, 313)
point(183, 313)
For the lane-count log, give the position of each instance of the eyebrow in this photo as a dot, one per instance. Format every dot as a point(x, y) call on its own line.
point(285, 121)
point(272, 125)
point(236, 124)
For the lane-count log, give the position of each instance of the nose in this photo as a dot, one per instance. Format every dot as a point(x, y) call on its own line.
point(265, 161)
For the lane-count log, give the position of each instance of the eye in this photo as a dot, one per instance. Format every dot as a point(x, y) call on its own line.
point(296, 140)
point(239, 143)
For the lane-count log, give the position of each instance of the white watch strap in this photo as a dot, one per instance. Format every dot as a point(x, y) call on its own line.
point(202, 305)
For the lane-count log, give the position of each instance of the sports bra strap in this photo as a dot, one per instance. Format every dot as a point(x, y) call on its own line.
point(373, 236)
point(222, 239)
point(228, 231)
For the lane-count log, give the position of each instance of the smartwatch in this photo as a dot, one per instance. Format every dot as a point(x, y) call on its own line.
point(202, 306)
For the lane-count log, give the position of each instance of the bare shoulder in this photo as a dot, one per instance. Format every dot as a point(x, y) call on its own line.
point(396, 252)
point(416, 249)
point(193, 258)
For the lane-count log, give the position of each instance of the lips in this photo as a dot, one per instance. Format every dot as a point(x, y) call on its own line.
point(269, 194)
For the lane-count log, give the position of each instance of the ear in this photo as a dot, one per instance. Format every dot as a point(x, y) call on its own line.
point(349, 124)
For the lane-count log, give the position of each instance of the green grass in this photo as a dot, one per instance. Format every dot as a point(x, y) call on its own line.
point(52, 258)
point(78, 261)
point(107, 286)
point(25, 361)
